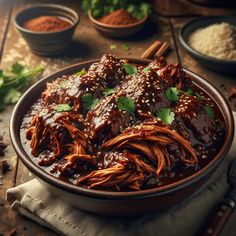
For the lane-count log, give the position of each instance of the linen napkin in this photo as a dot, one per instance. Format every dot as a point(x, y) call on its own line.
point(32, 200)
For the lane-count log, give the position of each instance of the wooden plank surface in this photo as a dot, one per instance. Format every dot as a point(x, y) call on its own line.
point(87, 44)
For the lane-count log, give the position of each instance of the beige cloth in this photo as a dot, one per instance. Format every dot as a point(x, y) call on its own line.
point(33, 201)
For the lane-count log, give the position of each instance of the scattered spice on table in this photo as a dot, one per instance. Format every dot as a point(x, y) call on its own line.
point(118, 17)
point(46, 24)
point(4, 167)
point(216, 40)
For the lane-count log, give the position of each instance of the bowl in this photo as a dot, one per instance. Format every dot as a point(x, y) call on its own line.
point(207, 61)
point(119, 203)
point(117, 31)
point(47, 43)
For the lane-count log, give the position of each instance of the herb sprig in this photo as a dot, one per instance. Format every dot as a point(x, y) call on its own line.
point(14, 81)
point(62, 107)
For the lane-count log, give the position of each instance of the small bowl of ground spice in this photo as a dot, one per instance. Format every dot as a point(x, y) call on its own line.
point(47, 28)
point(118, 24)
point(212, 42)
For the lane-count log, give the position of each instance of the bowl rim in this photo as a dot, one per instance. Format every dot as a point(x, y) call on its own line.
point(95, 21)
point(55, 6)
point(193, 51)
point(103, 194)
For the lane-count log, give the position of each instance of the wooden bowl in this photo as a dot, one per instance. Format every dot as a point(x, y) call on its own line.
point(117, 31)
point(119, 203)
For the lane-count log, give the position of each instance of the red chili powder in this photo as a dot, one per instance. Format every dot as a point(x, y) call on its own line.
point(118, 17)
point(46, 24)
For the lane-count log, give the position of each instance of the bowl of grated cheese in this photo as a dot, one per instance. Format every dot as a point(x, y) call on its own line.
point(212, 42)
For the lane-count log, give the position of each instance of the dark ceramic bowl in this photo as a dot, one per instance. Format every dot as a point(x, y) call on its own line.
point(47, 43)
point(207, 61)
point(117, 31)
point(119, 203)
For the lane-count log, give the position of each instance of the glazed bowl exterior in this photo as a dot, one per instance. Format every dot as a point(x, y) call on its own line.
point(209, 62)
point(117, 31)
point(119, 203)
point(47, 43)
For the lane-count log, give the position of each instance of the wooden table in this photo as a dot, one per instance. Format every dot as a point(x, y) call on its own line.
point(87, 44)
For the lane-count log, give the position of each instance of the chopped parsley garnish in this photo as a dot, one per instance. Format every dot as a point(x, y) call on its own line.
point(172, 94)
point(146, 69)
point(131, 70)
point(209, 111)
point(89, 101)
point(62, 107)
point(81, 72)
point(113, 46)
point(108, 91)
point(166, 115)
point(63, 83)
point(126, 47)
point(126, 104)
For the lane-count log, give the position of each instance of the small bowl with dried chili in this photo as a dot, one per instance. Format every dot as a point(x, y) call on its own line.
point(118, 24)
point(47, 28)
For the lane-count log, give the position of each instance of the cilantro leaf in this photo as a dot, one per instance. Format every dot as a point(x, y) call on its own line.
point(17, 68)
point(209, 111)
point(108, 91)
point(81, 72)
point(126, 104)
point(189, 92)
point(62, 107)
point(12, 96)
point(113, 46)
point(166, 115)
point(126, 47)
point(131, 70)
point(172, 94)
point(146, 69)
point(89, 101)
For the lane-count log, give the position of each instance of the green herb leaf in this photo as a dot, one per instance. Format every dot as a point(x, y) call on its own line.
point(189, 92)
point(131, 70)
point(172, 94)
point(17, 68)
point(126, 47)
point(63, 83)
point(146, 69)
point(113, 47)
point(89, 101)
point(12, 96)
point(166, 115)
point(126, 104)
point(209, 111)
point(200, 97)
point(62, 107)
point(108, 91)
point(81, 72)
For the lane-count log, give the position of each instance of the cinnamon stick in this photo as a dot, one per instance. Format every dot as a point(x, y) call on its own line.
point(162, 50)
point(149, 53)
